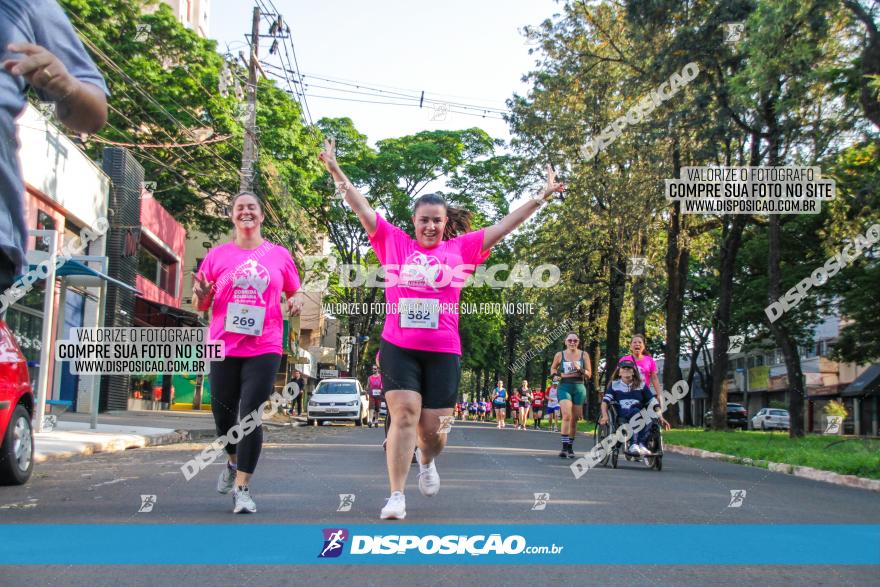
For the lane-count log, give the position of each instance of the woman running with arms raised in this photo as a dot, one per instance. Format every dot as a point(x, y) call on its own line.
point(421, 348)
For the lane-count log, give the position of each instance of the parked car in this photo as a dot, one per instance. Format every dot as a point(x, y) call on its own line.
point(339, 399)
point(16, 412)
point(768, 418)
point(737, 417)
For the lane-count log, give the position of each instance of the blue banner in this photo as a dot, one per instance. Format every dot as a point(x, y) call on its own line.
point(393, 543)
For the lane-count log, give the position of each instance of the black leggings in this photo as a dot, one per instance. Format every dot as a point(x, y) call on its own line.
point(240, 385)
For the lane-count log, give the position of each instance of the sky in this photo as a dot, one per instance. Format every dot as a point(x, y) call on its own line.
point(466, 51)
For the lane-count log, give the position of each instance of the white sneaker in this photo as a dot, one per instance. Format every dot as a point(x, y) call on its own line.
point(643, 450)
point(395, 507)
point(241, 497)
point(226, 481)
point(429, 480)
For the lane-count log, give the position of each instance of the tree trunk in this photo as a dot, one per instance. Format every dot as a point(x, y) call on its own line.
point(640, 313)
point(616, 290)
point(595, 351)
point(677, 260)
point(511, 349)
point(781, 334)
point(721, 330)
point(869, 62)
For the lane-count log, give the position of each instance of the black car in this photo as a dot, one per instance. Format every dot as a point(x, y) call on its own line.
point(737, 417)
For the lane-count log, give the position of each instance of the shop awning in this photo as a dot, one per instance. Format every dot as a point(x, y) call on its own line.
point(81, 274)
point(868, 383)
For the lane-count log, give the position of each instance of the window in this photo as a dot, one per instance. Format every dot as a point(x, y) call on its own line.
point(759, 361)
point(159, 271)
point(336, 387)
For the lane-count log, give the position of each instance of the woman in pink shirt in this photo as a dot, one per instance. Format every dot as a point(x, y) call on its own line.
point(241, 282)
point(421, 348)
point(646, 366)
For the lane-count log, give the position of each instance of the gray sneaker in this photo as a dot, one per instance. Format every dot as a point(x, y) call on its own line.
point(226, 481)
point(241, 497)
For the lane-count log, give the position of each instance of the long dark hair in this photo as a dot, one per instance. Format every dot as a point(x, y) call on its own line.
point(458, 219)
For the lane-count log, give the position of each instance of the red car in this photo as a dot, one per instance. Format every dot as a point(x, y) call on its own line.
point(16, 412)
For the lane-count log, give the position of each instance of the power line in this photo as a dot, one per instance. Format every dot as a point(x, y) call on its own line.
point(342, 80)
point(387, 95)
point(402, 104)
point(415, 96)
point(289, 40)
point(136, 87)
point(126, 78)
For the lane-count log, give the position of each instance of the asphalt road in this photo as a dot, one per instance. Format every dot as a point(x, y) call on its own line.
point(488, 476)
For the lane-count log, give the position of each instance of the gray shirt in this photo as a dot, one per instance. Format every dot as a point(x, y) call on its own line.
point(41, 22)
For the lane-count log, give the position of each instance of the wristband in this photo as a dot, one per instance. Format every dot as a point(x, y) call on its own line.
point(540, 198)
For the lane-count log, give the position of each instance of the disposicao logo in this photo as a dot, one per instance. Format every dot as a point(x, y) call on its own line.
point(334, 540)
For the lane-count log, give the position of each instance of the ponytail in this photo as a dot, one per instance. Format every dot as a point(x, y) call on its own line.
point(458, 222)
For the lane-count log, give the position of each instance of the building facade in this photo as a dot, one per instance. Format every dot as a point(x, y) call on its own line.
point(65, 192)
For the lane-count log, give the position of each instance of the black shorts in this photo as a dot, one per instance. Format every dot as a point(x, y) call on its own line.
point(434, 375)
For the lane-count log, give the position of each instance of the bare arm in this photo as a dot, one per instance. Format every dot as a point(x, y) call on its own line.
point(496, 232)
point(588, 368)
point(554, 368)
point(658, 391)
point(355, 199)
point(81, 106)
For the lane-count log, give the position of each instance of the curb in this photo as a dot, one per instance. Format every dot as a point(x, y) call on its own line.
point(796, 470)
point(130, 441)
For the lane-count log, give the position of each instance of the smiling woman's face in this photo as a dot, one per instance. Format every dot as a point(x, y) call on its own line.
point(246, 213)
point(429, 221)
point(637, 345)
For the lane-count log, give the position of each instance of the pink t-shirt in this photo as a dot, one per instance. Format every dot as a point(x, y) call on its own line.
point(255, 278)
point(415, 272)
point(375, 382)
point(647, 368)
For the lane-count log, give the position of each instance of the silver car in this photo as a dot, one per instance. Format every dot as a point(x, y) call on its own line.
point(769, 418)
point(339, 399)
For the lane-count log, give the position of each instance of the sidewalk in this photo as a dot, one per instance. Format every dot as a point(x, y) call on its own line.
point(118, 431)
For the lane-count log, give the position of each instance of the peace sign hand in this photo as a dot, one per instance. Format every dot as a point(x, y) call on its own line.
point(552, 186)
point(328, 155)
point(203, 289)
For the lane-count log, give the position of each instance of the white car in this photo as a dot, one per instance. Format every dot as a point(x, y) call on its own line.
point(338, 399)
point(768, 418)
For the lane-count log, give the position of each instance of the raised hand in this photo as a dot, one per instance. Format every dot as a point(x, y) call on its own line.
point(328, 155)
point(202, 288)
point(552, 185)
point(295, 304)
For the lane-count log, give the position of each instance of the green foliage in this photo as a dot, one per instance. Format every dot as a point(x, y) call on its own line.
point(164, 91)
point(854, 457)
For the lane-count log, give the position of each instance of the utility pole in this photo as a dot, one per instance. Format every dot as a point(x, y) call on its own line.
point(249, 150)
